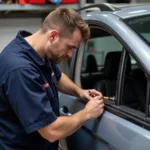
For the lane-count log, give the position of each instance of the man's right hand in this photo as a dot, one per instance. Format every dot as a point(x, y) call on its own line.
point(65, 125)
point(94, 108)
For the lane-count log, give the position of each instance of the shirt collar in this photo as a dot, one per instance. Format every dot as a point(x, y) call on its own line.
point(27, 47)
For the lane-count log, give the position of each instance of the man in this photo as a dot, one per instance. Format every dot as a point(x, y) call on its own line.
point(29, 107)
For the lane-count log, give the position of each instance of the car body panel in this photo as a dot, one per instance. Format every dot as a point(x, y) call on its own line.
point(133, 11)
point(125, 12)
point(111, 131)
point(108, 132)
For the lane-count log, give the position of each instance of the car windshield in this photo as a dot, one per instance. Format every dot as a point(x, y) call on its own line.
point(141, 25)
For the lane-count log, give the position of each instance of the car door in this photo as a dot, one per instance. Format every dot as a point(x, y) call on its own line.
point(122, 125)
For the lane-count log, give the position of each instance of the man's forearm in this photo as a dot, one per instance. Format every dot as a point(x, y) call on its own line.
point(65, 85)
point(64, 126)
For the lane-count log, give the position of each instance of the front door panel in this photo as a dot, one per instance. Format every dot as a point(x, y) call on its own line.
point(108, 132)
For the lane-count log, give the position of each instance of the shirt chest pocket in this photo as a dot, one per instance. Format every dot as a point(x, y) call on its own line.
point(50, 84)
point(52, 88)
point(50, 93)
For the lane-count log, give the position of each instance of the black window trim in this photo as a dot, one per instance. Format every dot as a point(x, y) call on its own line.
point(147, 111)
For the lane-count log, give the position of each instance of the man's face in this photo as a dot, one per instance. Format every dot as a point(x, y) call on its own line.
point(62, 48)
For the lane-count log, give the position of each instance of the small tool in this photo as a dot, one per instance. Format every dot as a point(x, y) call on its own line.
point(109, 98)
point(104, 97)
point(91, 94)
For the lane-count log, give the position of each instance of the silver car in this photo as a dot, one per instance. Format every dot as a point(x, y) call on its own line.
point(115, 61)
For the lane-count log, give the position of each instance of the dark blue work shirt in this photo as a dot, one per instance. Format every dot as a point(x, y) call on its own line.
point(28, 96)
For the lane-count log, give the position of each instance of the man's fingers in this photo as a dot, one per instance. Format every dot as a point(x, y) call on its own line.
point(98, 97)
point(102, 105)
point(96, 92)
point(101, 102)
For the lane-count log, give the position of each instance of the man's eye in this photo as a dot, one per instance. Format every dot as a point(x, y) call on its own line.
point(70, 47)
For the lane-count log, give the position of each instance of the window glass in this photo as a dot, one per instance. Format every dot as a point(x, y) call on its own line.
point(135, 84)
point(99, 47)
point(94, 68)
point(141, 25)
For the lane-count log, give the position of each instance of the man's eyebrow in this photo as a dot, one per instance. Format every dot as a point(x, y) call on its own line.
point(72, 46)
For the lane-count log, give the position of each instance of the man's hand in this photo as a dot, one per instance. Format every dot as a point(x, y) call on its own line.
point(64, 126)
point(94, 108)
point(88, 94)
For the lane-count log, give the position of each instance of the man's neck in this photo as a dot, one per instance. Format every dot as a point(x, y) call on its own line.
point(36, 43)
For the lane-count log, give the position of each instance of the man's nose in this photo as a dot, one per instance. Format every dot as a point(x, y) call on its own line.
point(69, 54)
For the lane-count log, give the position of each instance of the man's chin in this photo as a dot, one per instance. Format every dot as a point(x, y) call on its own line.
point(57, 61)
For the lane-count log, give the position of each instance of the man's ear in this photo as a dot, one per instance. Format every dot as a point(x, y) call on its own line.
point(53, 35)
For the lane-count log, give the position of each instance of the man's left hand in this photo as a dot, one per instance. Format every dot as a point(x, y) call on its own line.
point(88, 94)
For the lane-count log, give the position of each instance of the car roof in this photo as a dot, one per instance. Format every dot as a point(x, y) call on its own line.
point(122, 12)
point(131, 11)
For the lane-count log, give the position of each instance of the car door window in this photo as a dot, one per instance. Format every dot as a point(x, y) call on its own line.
point(100, 66)
point(99, 47)
point(94, 66)
point(135, 86)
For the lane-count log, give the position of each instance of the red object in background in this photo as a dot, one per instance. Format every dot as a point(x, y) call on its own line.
point(22, 2)
point(69, 1)
point(37, 1)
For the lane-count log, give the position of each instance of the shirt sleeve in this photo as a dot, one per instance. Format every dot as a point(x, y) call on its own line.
point(29, 100)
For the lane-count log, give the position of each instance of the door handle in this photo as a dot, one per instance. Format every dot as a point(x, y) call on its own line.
point(64, 111)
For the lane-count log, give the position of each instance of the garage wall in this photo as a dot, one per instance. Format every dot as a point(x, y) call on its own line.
point(10, 27)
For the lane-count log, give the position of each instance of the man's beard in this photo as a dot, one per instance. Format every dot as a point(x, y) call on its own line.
point(57, 60)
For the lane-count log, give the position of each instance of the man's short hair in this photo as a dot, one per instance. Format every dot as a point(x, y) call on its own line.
point(66, 21)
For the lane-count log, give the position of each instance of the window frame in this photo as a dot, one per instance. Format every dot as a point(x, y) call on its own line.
point(116, 108)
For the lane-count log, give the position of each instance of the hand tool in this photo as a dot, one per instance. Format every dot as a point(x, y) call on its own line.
point(104, 97)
